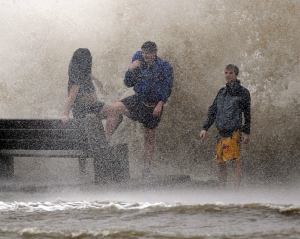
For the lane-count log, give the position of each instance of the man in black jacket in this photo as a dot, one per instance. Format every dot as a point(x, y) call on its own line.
point(232, 103)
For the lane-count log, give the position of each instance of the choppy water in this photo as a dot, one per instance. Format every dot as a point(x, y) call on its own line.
point(153, 213)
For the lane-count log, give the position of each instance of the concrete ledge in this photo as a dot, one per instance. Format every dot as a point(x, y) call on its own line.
point(153, 182)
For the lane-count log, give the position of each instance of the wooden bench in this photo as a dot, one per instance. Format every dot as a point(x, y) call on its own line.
point(80, 139)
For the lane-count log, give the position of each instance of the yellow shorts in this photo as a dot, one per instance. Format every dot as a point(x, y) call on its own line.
point(228, 148)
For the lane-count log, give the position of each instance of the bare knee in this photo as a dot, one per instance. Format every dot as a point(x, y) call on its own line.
point(118, 109)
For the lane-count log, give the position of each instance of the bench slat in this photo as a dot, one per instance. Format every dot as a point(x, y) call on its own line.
point(41, 134)
point(43, 145)
point(36, 124)
point(47, 153)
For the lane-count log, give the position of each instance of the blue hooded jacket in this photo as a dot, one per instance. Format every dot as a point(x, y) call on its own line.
point(153, 84)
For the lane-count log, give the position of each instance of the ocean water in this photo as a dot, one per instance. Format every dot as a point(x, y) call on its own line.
point(179, 211)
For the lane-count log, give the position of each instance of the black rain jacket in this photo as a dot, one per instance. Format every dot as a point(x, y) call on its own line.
point(227, 109)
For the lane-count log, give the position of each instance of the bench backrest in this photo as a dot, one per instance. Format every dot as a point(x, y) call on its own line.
point(42, 134)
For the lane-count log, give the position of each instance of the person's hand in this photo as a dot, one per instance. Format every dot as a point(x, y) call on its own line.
point(65, 119)
point(157, 110)
point(134, 65)
point(245, 138)
point(202, 134)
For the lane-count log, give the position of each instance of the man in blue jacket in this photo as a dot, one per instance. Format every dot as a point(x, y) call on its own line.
point(232, 103)
point(152, 80)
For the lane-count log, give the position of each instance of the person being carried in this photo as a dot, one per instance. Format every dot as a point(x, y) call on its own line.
point(232, 103)
point(82, 98)
point(152, 80)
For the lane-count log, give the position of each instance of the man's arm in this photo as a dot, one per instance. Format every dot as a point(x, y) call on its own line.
point(131, 74)
point(246, 107)
point(166, 89)
point(246, 104)
point(168, 82)
point(211, 115)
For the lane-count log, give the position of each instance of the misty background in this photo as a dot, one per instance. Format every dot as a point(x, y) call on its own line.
point(198, 37)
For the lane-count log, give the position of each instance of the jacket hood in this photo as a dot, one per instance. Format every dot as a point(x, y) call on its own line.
point(235, 88)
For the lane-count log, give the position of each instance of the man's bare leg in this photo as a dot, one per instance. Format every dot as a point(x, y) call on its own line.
point(222, 175)
point(114, 118)
point(237, 168)
point(149, 143)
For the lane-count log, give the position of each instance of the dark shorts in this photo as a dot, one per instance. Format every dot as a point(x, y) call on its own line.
point(80, 111)
point(140, 112)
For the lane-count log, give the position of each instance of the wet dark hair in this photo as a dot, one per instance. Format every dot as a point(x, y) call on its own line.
point(81, 63)
point(149, 46)
point(233, 67)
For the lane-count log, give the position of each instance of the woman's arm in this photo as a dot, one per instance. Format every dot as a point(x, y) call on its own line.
point(72, 95)
point(98, 83)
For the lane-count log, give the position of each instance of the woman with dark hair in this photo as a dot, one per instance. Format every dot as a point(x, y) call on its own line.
point(82, 98)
